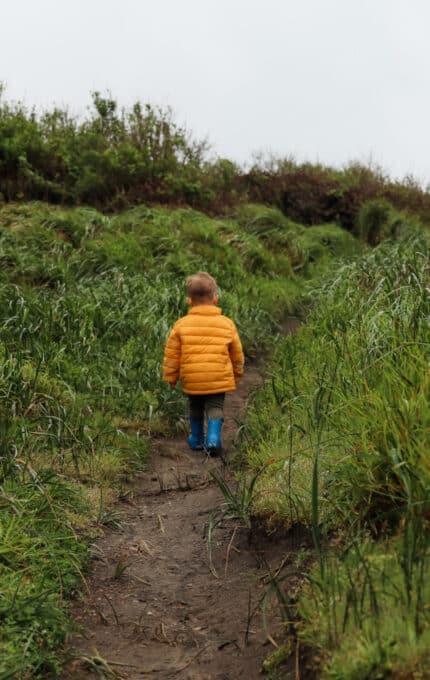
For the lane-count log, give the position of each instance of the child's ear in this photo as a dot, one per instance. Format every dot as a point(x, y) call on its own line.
point(216, 298)
point(189, 302)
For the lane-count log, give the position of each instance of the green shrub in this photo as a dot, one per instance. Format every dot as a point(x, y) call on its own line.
point(373, 222)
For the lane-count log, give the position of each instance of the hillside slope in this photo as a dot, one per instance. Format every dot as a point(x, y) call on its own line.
point(86, 302)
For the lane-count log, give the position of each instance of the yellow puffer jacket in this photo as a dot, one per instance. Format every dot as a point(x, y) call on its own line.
point(204, 351)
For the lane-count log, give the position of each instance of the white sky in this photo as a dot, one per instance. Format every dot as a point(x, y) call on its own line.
point(322, 80)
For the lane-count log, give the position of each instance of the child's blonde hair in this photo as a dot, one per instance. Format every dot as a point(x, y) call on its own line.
point(201, 287)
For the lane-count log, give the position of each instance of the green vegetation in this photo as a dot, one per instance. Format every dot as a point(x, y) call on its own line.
point(114, 158)
point(86, 302)
point(341, 434)
point(337, 438)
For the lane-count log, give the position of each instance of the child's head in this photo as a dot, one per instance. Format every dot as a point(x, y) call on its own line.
point(202, 289)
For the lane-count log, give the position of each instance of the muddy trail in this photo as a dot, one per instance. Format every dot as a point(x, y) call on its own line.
point(155, 606)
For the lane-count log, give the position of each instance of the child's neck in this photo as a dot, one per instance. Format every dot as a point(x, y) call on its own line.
point(209, 303)
point(197, 303)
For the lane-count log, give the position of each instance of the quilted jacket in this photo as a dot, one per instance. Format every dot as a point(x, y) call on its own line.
point(204, 351)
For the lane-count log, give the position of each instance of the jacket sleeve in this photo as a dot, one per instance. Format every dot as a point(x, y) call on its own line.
point(172, 357)
point(236, 355)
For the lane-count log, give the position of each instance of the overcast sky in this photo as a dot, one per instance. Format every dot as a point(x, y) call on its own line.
point(322, 80)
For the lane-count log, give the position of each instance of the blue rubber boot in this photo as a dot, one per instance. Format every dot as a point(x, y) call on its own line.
point(196, 440)
point(213, 437)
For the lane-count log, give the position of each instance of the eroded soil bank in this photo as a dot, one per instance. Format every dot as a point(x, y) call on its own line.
point(168, 615)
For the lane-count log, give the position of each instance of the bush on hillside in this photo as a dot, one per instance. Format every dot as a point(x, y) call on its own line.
point(373, 222)
point(115, 158)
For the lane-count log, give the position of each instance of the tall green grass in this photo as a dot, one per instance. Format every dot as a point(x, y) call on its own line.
point(344, 423)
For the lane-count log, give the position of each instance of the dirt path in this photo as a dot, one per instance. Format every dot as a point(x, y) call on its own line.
point(167, 615)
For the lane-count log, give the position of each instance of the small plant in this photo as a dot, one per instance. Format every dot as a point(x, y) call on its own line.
point(101, 667)
point(238, 502)
point(237, 507)
point(120, 568)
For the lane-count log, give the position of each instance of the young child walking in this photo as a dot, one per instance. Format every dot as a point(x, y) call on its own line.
point(204, 351)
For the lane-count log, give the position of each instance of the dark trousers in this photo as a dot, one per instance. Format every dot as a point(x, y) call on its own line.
point(211, 404)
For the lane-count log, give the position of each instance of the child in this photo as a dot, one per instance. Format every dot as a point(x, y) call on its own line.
point(205, 352)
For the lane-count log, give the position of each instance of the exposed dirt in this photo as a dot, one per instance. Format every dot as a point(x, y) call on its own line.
point(167, 615)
